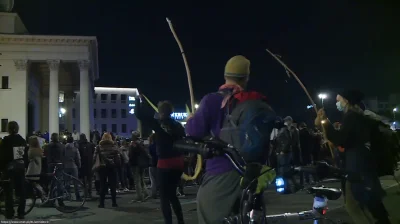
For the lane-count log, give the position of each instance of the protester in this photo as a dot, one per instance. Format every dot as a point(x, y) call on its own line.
point(170, 162)
point(221, 180)
point(139, 161)
point(35, 154)
point(306, 148)
point(86, 151)
point(153, 166)
point(12, 156)
point(364, 196)
point(124, 174)
point(108, 154)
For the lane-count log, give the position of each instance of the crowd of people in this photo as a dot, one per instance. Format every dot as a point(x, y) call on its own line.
point(120, 164)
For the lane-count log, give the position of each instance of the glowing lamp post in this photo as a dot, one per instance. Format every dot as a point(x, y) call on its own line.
point(62, 112)
point(322, 96)
point(196, 106)
point(394, 113)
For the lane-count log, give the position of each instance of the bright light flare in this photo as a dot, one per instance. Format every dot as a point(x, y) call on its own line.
point(322, 96)
point(394, 109)
point(196, 106)
point(63, 110)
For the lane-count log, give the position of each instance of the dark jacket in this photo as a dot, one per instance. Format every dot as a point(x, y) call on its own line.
point(138, 155)
point(166, 132)
point(13, 147)
point(354, 135)
point(86, 150)
point(306, 145)
point(55, 152)
point(283, 141)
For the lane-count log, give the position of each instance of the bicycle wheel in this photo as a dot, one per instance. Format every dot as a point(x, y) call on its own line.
point(70, 194)
point(30, 199)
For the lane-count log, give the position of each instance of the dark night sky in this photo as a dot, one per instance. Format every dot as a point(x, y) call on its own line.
point(330, 45)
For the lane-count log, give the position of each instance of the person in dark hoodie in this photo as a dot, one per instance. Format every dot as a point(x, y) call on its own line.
point(363, 197)
point(220, 189)
point(86, 151)
point(13, 158)
point(170, 162)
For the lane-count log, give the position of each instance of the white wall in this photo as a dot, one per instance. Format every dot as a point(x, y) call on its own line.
point(14, 101)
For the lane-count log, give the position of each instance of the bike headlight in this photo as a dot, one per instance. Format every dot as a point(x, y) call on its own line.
point(280, 184)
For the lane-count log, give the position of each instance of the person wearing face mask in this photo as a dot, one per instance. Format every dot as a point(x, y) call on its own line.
point(363, 197)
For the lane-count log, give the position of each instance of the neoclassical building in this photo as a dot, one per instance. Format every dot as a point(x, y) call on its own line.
point(40, 73)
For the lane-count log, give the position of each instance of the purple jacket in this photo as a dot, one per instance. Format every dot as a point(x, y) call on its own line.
point(208, 121)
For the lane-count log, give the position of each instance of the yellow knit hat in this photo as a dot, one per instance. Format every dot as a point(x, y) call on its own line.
point(237, 66)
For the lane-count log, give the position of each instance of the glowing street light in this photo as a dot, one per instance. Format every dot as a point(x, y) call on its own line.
point(322, 96)
point(395, 110)
point(63, 110)
point(196, 106)
point(394, 113)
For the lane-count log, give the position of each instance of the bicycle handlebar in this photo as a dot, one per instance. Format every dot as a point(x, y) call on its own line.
point(210, 147)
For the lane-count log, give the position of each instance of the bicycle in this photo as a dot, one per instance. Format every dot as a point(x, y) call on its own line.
point(30, 197)
point(59, 190)
point(252, 206)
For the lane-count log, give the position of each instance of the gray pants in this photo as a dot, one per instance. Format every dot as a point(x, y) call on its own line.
point(153, 179)
point(225, 190)
point(138, 176)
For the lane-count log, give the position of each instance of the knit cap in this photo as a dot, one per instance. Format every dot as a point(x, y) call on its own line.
point(238, 66)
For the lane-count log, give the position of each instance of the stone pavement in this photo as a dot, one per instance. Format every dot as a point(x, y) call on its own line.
point(148, 212)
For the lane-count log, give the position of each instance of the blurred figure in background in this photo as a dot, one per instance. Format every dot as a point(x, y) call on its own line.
point(86, 151)
point(153, 166)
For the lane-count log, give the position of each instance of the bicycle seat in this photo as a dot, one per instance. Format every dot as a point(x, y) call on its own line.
point(329, 193)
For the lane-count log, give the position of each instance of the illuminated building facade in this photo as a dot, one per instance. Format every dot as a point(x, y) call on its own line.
point(40, 74)
point(113, 110)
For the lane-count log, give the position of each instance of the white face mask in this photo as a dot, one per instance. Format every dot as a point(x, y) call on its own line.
point(339, 106)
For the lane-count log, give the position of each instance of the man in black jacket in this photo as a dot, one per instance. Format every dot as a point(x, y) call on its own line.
point(12, 155)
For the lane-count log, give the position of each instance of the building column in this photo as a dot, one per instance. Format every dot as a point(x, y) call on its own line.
point(84, 86)
point(21, 75)
point(54, 92)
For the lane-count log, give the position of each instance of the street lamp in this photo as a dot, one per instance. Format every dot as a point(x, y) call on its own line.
point(322, 96)
point(63, 111)
point(196, 106)
point(394, 113)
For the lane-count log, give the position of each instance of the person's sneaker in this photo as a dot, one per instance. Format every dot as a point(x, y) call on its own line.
point(126, 190)
point(118, 191)
point(136, 201)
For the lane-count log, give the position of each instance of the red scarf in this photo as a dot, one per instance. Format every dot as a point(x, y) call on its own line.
point(239, 94)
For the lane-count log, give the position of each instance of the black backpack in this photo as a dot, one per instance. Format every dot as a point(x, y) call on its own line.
point(385, 148)
point(247, 126)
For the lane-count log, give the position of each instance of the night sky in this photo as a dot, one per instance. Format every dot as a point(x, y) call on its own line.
point(330, 44)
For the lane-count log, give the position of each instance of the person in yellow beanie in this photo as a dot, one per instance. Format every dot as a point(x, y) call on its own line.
point(221, 180)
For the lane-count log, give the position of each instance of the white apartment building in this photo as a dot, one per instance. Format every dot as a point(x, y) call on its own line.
point(113, 110)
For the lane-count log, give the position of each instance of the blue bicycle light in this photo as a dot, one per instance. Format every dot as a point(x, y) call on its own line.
point(280, 184)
